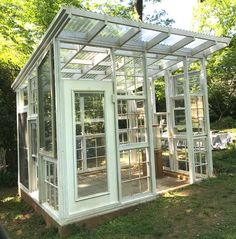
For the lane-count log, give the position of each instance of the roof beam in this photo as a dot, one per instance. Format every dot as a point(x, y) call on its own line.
point(157, 39)
point(96, 30)
point(165, 66)
point(95, 63)
point(157, 59)
point(90, 36)
point(72, 57)
point(71, 71)
point(128, 35)
point(81, 62)
point(185, 41)
point(126, 22)
point(118, 67)
point(202, 47)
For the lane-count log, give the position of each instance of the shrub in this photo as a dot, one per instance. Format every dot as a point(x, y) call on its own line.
point(8, 179)
point(224, 161)
point(225, 123)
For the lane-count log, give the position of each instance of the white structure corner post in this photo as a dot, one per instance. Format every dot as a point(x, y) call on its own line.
point(147, 85)
point(169, 118)
point(203, 80)
point(189, 127)
point(113, 62)
point(61, 166)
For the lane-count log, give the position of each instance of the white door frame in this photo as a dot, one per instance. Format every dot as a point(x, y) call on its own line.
point(96, 200)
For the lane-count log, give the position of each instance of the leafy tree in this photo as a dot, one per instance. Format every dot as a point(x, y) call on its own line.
point(16, 39)
point(158, 17)
point(219, 17)
point(221, 70)
point(8, 73)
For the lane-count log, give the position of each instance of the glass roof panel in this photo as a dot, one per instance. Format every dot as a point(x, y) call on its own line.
point(171, 40)
point(195, 43)
point(114, 31)
point(80, 24)
point(145, 35)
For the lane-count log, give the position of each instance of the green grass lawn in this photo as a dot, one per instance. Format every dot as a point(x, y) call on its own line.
point(206, 210)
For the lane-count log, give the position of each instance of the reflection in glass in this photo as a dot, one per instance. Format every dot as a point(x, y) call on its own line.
point(131, 121)
point(90, 143)
point(135, 178)
point(45, 101)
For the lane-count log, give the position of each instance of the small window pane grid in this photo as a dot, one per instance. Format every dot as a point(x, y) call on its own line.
point(51, 184)
point(160, 118)
point(93, 150)
point(194, 84)
point(90, 143)
point(197, 111)
point(131, 121)
point(129, 75)
point(45, 94)
point(34, 150)
point(135, 176)
point(33, 95)
point(23, 149)
point(181, 149)
point(25, 96)
point(200, 157)
point(165, 154)
point(179, 86)
point(179, 116)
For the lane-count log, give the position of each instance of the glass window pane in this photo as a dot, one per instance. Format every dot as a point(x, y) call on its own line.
point(23, 149)
point(135, 176)
point(132, 121)
point(90, 144)
point(46, 103)
point(129, 75)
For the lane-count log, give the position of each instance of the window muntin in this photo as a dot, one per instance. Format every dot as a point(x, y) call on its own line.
point(197, 112)
point(129, 75)
point(90, 143)
point(23, 149)
point(46, 104)
point(25, 96)
point(51, 184)
point(132, 121)
point(33, 94)
point(181, 149)
point(135, 172)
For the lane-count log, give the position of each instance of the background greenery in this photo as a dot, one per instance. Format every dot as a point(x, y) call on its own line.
point(23, 22)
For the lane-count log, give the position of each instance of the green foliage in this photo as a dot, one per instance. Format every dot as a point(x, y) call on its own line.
point(224, 161)
point(159, 17)
point(219, 17)
point(160, 95)
point(216, 17)
point(16, 39)
point(7, 106)
point(226, 122)
point(8, 179)
point(221, 71)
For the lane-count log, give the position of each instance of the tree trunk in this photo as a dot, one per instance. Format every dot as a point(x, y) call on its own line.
point(138, 5)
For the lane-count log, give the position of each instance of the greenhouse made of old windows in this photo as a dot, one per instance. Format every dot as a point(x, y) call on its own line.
point(91, 139)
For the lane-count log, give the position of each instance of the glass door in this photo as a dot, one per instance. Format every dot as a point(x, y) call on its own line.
point(91, 158)
point(90, 153)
